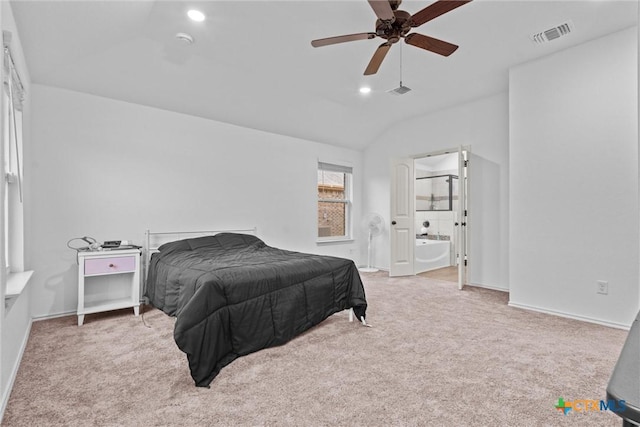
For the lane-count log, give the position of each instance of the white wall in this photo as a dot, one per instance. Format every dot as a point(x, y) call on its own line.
point(111, 170)
point(14, 323)
point(574, 180)
point(483, 125)
point(16, 326)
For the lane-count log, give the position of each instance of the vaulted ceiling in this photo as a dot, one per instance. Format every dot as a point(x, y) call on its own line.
point(252, 63)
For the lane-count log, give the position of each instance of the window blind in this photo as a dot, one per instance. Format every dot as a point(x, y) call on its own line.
point(330, 167)
point(16, 94)
point(11, 77)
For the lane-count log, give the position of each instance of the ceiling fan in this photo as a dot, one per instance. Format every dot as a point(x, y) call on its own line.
point(394, 24)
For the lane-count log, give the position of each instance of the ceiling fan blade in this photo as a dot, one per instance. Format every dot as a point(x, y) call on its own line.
point(377, 59)
point(434, 10)
point(382, 9)
point(429, 43)
point(341, 39)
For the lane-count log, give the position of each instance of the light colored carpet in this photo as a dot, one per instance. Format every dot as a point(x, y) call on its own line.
point(436, 356)
point(448, 274)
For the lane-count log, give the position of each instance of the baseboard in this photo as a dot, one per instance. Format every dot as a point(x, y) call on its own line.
point(570, 316)
point(476, 285)
point(53, 316)
point(14, 371)
point(378, 268)
point(492, 288)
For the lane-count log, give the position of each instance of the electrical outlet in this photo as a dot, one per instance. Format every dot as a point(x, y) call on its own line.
point(603, 287)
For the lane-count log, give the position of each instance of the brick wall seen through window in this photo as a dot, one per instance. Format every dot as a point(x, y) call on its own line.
point(334, 198)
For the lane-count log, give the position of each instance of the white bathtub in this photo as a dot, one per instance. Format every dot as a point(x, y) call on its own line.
point(432, 254)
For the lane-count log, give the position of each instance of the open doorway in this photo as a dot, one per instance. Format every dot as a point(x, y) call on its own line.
point(429, 216)
point(437, 203)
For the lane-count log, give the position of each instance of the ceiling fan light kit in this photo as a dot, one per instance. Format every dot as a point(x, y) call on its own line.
point(393, 24)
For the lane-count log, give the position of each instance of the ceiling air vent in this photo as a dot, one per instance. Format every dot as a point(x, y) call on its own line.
point(400, 90)
point(553, 33)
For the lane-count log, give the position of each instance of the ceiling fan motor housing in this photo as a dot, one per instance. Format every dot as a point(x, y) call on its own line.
point(394, 30)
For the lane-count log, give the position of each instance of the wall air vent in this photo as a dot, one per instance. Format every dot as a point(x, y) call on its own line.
point(552, 33)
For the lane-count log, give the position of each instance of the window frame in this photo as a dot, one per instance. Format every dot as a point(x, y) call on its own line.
point(12, 160)
point(347, 201)
point(12, 145)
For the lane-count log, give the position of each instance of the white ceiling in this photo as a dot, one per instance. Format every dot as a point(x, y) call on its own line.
point(253, 65)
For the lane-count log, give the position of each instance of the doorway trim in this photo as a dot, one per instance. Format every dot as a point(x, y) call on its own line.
point(462, 221)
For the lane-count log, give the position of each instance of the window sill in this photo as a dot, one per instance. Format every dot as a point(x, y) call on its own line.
point(16, 282)
point(334, 241)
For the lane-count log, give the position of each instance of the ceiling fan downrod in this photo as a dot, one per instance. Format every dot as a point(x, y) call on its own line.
point(400, 90)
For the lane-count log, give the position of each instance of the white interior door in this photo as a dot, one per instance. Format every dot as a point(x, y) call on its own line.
point(461, 222)
point(401, 229)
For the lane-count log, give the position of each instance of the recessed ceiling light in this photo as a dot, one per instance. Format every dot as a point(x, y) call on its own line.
point(364, 90)
point(196, 15)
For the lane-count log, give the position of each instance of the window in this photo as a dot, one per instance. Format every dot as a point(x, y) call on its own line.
point(12, 147)
point(334, 202)
point(13, 95)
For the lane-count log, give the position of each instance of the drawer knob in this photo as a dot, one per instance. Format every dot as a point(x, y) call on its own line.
point(111, 265)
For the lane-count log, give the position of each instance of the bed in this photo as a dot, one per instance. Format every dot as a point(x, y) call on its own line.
point(232, 295)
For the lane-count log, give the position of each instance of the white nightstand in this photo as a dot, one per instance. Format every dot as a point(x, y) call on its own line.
point(108, 280)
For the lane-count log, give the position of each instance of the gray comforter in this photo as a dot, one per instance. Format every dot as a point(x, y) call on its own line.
point(233, 295)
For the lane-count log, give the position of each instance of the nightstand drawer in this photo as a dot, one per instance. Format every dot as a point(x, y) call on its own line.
point(123, 264)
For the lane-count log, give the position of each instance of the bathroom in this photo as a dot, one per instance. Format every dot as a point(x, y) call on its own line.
point(436, 204)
